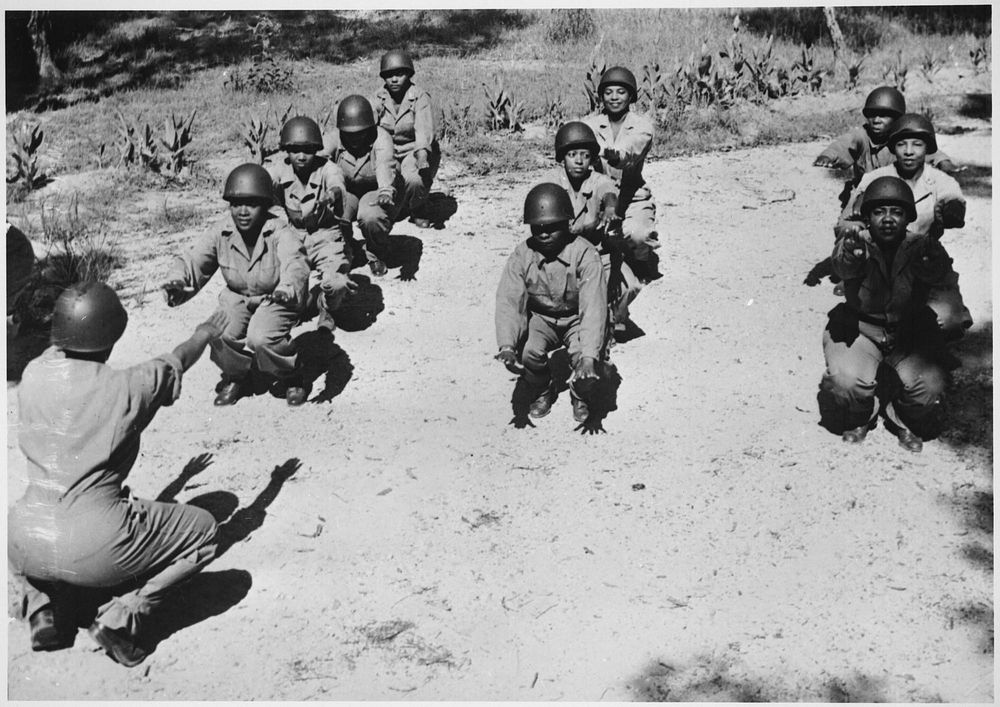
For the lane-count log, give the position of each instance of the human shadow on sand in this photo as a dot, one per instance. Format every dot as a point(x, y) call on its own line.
point(823, 268)
point(319, 355)
point(359, 310)
point(602, 397)
point(439, 207)
point(246, 520)
point(209, 594)
point(405, 253)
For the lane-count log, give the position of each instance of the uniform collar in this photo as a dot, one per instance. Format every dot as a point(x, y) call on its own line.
point(561, 256)
point(237, 243)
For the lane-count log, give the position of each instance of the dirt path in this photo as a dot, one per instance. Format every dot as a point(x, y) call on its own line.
point(711, 542)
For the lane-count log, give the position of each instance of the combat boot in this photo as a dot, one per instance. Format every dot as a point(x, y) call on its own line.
point(581, 411)
point(119, 647)
point(378, 267)
point(542, 405)
point(909, 441)
point(231, 391)
point(857, 435)
point(46, 632)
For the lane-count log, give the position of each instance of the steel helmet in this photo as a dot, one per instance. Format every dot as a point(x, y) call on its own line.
point(249, 181)
point(355, 114)
point(889, 190)
point(618, 76)
point(88, 317)
point(301, 131)
point(395, 59)
point(885, 99)
point(912, 125)
point(547, 203)
point(575, 134)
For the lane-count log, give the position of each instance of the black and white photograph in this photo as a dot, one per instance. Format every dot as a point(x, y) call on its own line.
point(533, 354)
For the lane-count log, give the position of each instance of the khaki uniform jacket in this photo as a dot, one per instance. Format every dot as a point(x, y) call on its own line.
point(586, 202)
point(635, 138)
point(300, 201)
point(879, 294)
point(375, 170)
point(412, 124)
point(276, 263)
point(855, 149)
point(81, 422)
point(930, 188)
point(569, 284)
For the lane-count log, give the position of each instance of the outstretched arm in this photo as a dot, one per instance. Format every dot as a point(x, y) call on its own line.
point(190, 351)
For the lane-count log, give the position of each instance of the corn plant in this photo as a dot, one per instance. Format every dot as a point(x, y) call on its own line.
point(895, 72)
point(503, 112)
point(126, 142)
point(592, 81)
point(323, 119)
point(176, 140)
point(281, 119)
point(457, 121)
point(926, 111)
point(137, 146)
point(554, 112)
point(26, 172)
point(651, 86)
point(980, 55)
point(255, 138)
point(854, 68)
point(805, 75)
point(147, 148)
point(930, 65)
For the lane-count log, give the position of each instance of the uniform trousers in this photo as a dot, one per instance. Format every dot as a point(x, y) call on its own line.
point(847, 390)
point(545, 334)
point(374, 221)
point(417, 184)
point(623, 285)
point(105, 543)
point(258, 332)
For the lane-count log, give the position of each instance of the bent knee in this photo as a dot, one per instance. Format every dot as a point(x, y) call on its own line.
point(847, 382)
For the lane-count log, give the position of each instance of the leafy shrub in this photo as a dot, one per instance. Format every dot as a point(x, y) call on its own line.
point(26, 174)
point(79, 249)
point(266, 74)
point(503, 112)
point(566, 26)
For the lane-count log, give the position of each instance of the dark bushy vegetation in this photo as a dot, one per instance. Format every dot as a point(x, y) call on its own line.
point(865, 27)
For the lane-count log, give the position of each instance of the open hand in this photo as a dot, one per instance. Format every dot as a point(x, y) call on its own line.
point(509, 359)
point(214, 325)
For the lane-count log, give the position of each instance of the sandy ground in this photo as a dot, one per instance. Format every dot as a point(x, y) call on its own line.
point(706, 540)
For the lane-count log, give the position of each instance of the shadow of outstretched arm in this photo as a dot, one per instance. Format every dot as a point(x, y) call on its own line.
point(246, 520)
point(195, 466)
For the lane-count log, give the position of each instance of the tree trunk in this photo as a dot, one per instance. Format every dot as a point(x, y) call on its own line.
point(39, 27)
point(835, 34)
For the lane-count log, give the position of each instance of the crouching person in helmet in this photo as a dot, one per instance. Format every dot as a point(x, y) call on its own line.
point(552, 293)
point(865, 148)
point(940, 206)
point(406, 113)
point(888, 281)
point(264, 265)
point(77, 524)
point(595, 217)
point(364, 153)
point(311, 190)
point(625, 138)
